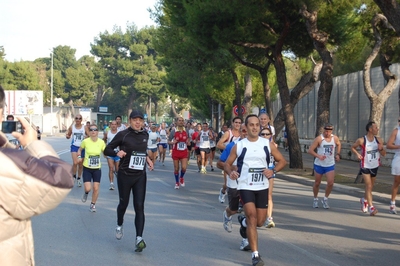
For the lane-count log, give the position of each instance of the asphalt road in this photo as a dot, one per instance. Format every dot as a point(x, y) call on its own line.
point(184, 227)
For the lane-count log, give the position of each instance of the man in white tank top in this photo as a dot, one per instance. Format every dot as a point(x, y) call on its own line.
point(113, 161)
point(204, 144)
point(394, 144)
point(371, 150)
point(252, 174)
point(328, 149)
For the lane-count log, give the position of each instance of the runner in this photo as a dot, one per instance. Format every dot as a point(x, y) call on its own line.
point(113, 161)
point(394, 144)
point(132, 176)
point(204, 145)
point(152, 143)
point(253, 155)
point(163, 144)
point(324, 162)
point(120, 125)
point(265, 122)
point(371, 150)
point(196, 148)
point(212, 148)
point(78, 132)
point(93, 147)
point(229, 136)
point(179, 140)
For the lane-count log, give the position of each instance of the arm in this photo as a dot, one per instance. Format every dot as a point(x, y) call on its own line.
point(228, 164)
point(222, 140)
point(390, 143)
point(69, 132)
point(105, 137)
point(312, 148)
point(338, 149)
point(355, 146)
point(281, 162)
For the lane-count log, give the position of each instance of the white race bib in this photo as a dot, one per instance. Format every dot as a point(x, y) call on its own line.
point(94, 161)
point(181, 146)
point(78, 137)
point(372, 156)
point(137, 161)
point(256, 177)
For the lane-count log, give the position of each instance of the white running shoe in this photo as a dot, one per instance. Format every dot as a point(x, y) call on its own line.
point(244, 245)
point(392, 209)
point(227, 222)
point(79, 182)
point(364, 205)
point(221, 196)
point(111, 186)
point(315, 203)
point(176, 185)
point(119, 232)
point(84, 196)
point(269, 223)
point(325, 203)
point(92, 207)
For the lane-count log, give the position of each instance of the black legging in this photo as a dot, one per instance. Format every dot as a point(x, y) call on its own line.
point(126, 184)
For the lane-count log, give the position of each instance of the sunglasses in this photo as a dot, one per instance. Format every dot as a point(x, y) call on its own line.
point(326, 128)
point(78, 118)
point(265, 134)
point(93, 129)
point(244, 130)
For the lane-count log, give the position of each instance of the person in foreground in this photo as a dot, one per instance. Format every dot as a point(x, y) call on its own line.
point(34, 182)
point(132, 176)
point(253, 157)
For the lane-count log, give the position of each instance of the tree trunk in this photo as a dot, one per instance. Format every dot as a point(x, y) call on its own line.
point(237, 101)
point(303, 87)
point(320, 40)
point(173, 109)
point(391, 10)
point(377, 101)
point(248, 91)
point(267, 90)
point(156, 111)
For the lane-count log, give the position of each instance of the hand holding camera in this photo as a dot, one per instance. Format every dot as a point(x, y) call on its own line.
point(26, 135)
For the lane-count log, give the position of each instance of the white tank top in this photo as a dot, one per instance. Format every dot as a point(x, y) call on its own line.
point(371, 156)
point(163, 136)
point(328, 150)
point(251, 162)
point(110, 137)
point(77, 135)
point(204, 140)
point(152, 142)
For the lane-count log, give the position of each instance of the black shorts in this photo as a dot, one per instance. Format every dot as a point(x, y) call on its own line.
point(233, 198)
point(373, 172)
point(213, 149)
point(259, 198)
point(91, 174)
point(189, 147)
point(206, 150)
point(197, 151)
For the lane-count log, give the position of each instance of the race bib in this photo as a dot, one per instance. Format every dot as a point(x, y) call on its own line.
point(372, 155)
point(328, 150)
point(181, 146)
point(94, 161)
point(163, 137)
point(153, 141)
point(78, 137)
point(256, 177)
point(137, 161)
point(205, 137)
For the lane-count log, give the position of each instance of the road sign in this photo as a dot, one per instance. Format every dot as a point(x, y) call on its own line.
point(236, 110)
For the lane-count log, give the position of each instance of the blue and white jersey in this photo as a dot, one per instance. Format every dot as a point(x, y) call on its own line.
point(252, 159)
point(78, 135)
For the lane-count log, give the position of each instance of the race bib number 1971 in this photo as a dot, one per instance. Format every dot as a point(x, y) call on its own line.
point(256, 177)
point(137, 161)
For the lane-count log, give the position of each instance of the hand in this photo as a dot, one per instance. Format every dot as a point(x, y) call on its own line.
point(121, 154)
point(269, 173)
point(29, 135)
point(234, 175)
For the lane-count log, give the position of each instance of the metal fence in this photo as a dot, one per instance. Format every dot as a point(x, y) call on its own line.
point(349, 107)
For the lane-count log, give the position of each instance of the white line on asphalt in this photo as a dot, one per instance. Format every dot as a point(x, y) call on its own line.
point(63, 151)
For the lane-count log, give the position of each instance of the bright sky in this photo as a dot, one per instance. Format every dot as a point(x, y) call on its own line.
point(29, 29)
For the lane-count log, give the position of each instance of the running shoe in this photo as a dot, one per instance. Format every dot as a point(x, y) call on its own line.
point(79, 182)
point(227, 222)
point(92, 207)
point(245, 245)
point(372, 211)
point(392, 209)
point(364, 205)
point(84, 197)
point(115, 174)
point(325, 203)
point(315, 203)
point(269, 223)
point(212, 168)
point(140, 245)
point(176, 185)
point(257, 261)
point(182, 182)
point(119, 232)
point(203, 170)
point(221, 196)
point(242, 229)
point(111, 186)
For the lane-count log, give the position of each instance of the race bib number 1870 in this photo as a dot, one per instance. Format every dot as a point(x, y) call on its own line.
point(137, 161)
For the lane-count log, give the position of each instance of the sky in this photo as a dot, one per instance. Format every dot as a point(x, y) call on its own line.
point(29, 29)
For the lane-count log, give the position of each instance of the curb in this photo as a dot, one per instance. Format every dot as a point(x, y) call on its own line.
point(352, 191)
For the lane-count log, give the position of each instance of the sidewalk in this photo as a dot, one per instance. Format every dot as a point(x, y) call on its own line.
point(345, 168)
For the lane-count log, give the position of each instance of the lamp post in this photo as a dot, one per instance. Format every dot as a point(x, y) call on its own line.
point(51, 96)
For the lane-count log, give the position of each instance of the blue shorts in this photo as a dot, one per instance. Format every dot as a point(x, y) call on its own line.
point(152, 149)
point(114, 158)
point(91, 174)
point(322, 169)
point(164, 145)
point(75, 149)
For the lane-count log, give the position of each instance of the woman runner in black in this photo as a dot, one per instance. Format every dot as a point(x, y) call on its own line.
point(132, 177)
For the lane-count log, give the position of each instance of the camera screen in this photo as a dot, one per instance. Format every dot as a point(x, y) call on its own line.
point(9, 126)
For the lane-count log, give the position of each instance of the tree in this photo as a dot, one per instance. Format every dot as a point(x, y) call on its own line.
point(391, 10)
